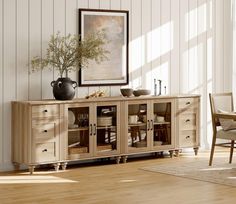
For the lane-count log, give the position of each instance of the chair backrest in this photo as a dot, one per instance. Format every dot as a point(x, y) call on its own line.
point(220, 101)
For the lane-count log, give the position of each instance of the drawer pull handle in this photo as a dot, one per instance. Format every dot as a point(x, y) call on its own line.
point(188, 103)
point(45, 150)
point(45, 111)
point(45, 131)
point(187, 137)
point(187, 120)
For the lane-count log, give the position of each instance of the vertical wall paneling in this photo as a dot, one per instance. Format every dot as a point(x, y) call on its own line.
point(165, 44)
point(213, 46)
point(127, 5)
point(174, 88)
point(59, 8)
point(210, 68)
point(155, 40)
point(146, 50)
point(81, 91)
point(219, 46)
point(105, 4)
point(47, 31)
point(183, 55)
point(22, 49)
point(193, 69)
point(116, 5)
point(234, 47)
point(9, 72)
point(71, 28)
point(1, 83)
point(71, 17)
point(202, 62)
point(35, 47)
point(59, 17)
point(94, 4)
point(228, 31)
point(136, 44)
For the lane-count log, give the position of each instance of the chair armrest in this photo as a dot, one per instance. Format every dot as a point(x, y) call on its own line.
point(226, 116)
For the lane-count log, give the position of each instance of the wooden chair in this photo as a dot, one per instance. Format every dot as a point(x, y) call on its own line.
point(222, 101)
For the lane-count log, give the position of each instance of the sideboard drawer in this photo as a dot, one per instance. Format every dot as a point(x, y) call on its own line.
point(187, 103)
point(44, 111)
point(187, 121)
point(45, 152)
point(187, 138)
point(45, 132)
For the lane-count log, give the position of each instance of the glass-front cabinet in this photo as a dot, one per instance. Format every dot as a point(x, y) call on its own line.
point(137, 126)
point(162, 124)
point(93, 130)
point(107, 131)
point(148, 125)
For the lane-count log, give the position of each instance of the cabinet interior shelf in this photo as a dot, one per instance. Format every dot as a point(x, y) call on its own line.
point(105, 127)
point(137, 124)
point(161, 123)
point(77, 129)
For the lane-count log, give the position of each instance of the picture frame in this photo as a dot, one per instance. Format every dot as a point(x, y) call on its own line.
point(115, 70)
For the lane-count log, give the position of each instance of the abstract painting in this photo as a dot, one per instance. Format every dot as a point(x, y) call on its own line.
point(114, 70)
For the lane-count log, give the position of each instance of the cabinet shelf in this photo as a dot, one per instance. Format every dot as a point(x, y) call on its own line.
point(137, 124)
point(77, 129)
point(105, 127)
point(161, 123)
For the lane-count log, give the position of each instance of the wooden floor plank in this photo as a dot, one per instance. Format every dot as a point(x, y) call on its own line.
point(108, 182)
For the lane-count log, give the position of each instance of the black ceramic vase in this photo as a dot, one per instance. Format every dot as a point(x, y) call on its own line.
point(64, 88)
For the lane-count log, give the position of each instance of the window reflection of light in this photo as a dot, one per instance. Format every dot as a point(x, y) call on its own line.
point(199, 14)
point(159, 41)
point(136, 47)
point(33, 179)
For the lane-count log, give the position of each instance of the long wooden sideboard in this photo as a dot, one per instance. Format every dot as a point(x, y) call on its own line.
point(58, 132)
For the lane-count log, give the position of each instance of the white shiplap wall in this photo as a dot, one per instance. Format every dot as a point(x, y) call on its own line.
point(186, 43)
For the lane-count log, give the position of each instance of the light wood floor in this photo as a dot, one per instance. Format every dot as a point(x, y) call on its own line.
point(110, 183)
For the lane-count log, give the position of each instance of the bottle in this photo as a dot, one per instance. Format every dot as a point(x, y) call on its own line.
point(159, 87)
point(155, 87)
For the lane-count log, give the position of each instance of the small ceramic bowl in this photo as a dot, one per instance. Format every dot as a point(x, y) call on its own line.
point(136, 93)
point(126, 91)
point(140, 92)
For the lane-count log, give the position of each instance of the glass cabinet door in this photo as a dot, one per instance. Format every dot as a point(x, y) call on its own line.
point(137, 127)
point(161, 124)
point(107, 129)
point(79, 132)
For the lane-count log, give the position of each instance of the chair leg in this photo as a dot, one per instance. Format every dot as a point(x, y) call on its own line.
point(231, 151)
point(212, 148)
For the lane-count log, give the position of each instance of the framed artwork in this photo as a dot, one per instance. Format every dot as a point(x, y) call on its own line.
point(115, 23)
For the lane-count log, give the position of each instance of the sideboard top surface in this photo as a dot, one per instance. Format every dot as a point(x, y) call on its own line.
point(102, 99)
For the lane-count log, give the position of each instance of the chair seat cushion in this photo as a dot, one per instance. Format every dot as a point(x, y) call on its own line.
point(227, 124)
point(229, 134)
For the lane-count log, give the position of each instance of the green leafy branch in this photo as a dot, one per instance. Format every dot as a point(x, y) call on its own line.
point(70, 53)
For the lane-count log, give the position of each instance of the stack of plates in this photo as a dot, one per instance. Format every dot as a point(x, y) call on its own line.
point(104, 121)
point(71, 119)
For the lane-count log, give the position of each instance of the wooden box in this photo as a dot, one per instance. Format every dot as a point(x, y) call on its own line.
point(78, 150)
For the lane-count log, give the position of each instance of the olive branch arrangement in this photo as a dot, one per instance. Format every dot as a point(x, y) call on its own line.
point(70, 53)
